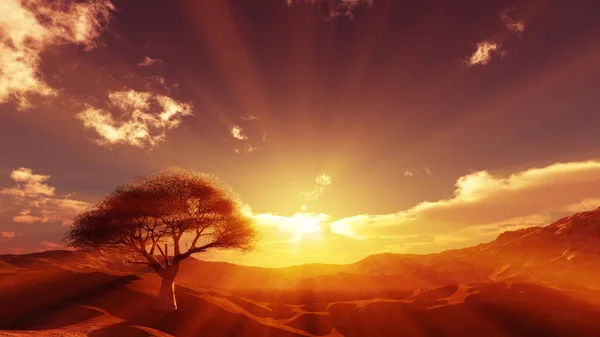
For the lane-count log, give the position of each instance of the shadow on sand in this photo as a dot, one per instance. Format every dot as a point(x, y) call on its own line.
point(491, 310)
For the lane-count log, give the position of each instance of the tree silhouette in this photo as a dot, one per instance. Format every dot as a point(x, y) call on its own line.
point(162, 219)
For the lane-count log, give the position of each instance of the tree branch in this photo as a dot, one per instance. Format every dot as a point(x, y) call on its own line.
point(164, 255)
point(152, 261)
point(194, 250)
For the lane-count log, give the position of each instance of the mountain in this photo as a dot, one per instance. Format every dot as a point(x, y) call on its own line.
point(564, 253)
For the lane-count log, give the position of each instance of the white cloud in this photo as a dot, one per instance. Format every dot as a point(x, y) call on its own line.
point(321, 181)
point(28, 184)
point(148, 61)
point(238, 133)
point(512, 24)
point(408, 173)
point(483, 54)
point(143, 122)
point(486, 49)
point(483, 202)
point(428, 171)
point(37, 200)
point(28, 27)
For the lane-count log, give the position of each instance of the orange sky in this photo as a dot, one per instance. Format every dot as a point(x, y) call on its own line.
point(348, 130)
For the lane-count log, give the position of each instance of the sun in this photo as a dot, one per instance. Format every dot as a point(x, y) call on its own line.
point(303, 225)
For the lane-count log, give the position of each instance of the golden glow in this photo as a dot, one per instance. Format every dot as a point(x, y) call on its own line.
point(302, 225)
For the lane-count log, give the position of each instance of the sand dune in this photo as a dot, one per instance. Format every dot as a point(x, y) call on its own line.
point(98, 304)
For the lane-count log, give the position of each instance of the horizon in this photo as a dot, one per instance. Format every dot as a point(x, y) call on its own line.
point(204, 259)
point(372, 127)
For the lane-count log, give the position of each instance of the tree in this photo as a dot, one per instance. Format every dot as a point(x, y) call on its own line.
point(162, 219)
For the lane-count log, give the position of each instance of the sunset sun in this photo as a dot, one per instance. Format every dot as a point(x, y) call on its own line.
point(303, 226)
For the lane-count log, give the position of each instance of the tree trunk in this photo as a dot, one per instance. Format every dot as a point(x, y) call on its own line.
point(166, 302)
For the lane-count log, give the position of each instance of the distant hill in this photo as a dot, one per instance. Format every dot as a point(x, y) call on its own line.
point(563, 253)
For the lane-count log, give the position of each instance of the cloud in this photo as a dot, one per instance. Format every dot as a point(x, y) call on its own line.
point(28, 27)
point(483, 54)
point(247, 148)
point(238, 133)
point(331, 9)
point(412, 173)
point(25, 217)
point(322, 181)
point(487, 48)
point(8, 235)
point(37, 200)
point(28, 184)
point(50, 245)
point(248, 117)
point(148, 61)
point(483, 203)
point(512, 24)
point(483, 206)
point(144, 118)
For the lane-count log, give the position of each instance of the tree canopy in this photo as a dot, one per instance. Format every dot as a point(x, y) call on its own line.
point(175, 212)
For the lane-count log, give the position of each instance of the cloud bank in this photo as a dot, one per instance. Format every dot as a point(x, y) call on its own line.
point(482, 206)
point(37, 201)
point(484, 203)
point(28, 27)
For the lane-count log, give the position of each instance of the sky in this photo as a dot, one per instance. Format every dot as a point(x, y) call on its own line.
point(348, 127)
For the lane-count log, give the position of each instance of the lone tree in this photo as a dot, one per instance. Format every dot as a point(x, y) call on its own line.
point(163, 219)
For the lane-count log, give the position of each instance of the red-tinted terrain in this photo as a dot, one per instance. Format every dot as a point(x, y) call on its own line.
point(539, 281)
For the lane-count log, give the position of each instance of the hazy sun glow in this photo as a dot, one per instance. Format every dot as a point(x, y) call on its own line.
point(302, 225)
